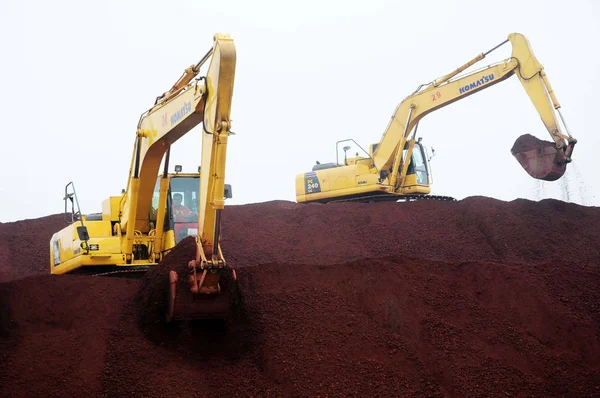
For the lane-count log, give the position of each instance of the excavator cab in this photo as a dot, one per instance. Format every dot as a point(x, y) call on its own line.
point(181, 214)
point(182, 205)
point(418, 165)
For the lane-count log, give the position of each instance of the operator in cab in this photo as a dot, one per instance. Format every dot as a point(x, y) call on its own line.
point(180, 212)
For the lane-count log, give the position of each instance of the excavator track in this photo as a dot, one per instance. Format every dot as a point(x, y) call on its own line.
point(121, 271)
point(125, 273)
point(394, 198)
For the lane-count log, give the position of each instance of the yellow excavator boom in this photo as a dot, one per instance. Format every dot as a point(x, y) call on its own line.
point(445, 91)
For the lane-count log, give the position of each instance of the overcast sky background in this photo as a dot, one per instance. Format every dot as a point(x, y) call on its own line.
point(77, 75)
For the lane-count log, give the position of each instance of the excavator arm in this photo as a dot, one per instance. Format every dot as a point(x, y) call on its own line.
point(539, 161)
point(187, 104)
point(200, 294)
point(212, 170)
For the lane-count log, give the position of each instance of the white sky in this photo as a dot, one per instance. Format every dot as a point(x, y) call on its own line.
point(76, 76)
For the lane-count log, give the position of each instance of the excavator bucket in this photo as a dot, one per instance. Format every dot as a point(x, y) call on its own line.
point(208, 294)
point(540, 159)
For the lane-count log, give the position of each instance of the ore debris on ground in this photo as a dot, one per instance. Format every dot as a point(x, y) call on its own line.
point(478, 297)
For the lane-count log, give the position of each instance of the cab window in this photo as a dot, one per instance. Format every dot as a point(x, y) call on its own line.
point(420, 168)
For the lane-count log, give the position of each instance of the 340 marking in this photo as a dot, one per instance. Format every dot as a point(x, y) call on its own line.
point(312, 186)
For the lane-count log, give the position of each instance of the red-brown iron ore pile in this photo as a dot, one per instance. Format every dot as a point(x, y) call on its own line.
point(477, 297)
point(25, 246)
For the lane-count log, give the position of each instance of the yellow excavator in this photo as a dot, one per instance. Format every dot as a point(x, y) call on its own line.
point(397, 167)
point(137, 228)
